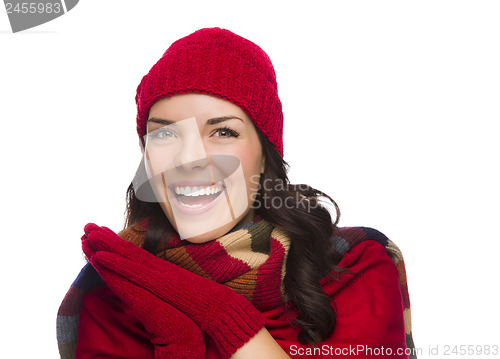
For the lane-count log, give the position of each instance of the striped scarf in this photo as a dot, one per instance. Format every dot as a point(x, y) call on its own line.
point(250, 260)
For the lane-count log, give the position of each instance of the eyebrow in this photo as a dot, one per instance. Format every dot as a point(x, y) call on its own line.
point(211, 121)
point(160, 120)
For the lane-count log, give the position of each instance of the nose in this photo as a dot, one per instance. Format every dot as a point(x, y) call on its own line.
point(191, 153)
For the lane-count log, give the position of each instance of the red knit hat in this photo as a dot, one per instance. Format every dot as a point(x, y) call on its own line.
point(220, 63)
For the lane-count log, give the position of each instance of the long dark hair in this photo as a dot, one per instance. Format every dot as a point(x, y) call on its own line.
point(308, 223)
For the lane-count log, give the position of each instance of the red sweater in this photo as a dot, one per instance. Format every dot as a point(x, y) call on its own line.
point(367, 302)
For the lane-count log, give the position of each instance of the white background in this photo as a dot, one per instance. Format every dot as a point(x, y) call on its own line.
point(391, 107)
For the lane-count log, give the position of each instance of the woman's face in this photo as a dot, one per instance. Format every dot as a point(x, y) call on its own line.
point(203, 158)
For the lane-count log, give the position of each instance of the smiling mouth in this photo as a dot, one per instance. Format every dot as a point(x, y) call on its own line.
point(198, 196)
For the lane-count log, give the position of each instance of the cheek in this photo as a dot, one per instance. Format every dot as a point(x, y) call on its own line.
point(156, 183)
point(249, 154)
point(159, 159)
point(251, 164)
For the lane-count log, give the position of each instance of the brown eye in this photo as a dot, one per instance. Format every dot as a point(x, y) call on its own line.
point(225, 132)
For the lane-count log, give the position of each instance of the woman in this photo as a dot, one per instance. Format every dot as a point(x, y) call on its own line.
point(222, 257)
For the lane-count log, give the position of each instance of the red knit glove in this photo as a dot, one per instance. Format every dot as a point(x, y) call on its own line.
point(226, 316)
point(173, 334)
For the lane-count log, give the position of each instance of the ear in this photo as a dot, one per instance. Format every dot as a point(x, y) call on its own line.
point(263, 165)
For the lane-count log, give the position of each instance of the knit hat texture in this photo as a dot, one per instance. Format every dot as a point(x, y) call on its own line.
point(220, 63)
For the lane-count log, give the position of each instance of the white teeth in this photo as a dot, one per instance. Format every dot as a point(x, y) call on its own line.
point(198, 190)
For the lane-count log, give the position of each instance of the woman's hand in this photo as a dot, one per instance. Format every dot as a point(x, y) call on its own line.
point(173, 334)
point(228, 317)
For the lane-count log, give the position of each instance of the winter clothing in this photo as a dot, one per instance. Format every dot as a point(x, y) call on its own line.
point(220, 63)
point(371, 301)
point(207, 300)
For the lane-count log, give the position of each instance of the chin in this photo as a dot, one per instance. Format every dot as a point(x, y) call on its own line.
point(211, 235)
point(220, 231)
